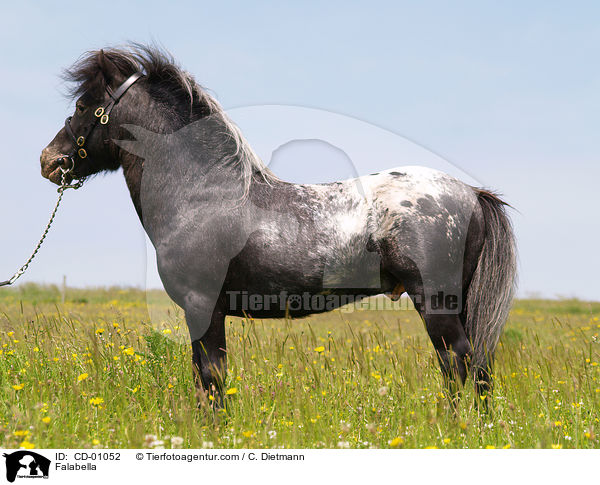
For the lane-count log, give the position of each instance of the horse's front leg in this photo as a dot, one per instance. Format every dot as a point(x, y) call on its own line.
point(209, 356)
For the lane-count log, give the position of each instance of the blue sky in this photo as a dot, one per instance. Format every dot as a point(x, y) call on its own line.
point(508, 93)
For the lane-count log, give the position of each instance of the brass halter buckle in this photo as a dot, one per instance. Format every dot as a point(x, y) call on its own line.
point(102, 114)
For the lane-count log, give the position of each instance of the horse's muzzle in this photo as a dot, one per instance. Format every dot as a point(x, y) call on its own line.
point(53, 167)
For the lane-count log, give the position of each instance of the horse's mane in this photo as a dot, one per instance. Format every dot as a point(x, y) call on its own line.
point(169, 83)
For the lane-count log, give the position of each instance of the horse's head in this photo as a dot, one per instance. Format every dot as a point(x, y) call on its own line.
point(84, 145)
point(118, 114)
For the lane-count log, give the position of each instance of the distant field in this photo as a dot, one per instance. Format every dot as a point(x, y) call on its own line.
point(96, 372)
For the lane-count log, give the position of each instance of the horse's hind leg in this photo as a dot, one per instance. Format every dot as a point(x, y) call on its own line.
point(450, 342)
point(209, 359)
point(452, 348)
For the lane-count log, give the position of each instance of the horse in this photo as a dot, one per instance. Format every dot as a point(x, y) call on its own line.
point(232, 238)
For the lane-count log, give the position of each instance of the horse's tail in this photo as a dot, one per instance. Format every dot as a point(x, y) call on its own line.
point(493, 283)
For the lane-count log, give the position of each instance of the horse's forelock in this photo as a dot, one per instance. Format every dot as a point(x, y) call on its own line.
point(158, 66)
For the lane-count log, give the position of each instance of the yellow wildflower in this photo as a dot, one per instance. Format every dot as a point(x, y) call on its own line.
point(231, 390)
point(82, 377)
point(396, 442)
point(18, 387)
point(27, 445)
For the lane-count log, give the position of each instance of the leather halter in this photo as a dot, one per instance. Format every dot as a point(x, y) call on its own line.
point(102, 115)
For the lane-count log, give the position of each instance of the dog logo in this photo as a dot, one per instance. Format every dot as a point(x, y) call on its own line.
point(27, 464)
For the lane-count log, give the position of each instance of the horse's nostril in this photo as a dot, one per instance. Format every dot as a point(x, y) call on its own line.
point(66, 164)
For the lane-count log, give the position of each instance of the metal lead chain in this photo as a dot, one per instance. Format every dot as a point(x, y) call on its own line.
point(61, 191)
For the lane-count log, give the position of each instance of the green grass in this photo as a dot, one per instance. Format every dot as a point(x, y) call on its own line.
point(96, 372)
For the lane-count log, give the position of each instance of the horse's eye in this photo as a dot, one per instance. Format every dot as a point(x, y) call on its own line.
point(80, 108)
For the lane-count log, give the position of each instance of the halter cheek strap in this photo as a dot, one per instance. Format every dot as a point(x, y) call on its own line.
point(100, 115)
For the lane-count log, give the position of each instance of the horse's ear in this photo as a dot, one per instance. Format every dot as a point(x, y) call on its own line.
point(108, 68)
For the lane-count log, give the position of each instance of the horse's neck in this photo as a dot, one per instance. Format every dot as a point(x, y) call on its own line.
point(193, 172)
point(131, 162)
point(133, 168)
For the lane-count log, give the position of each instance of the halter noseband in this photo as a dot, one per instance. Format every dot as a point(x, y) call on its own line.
point(100, 115)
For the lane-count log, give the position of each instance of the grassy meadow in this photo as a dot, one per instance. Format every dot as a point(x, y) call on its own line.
point(97, 371)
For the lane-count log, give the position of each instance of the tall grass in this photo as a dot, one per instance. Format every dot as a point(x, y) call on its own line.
point(96, 372)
